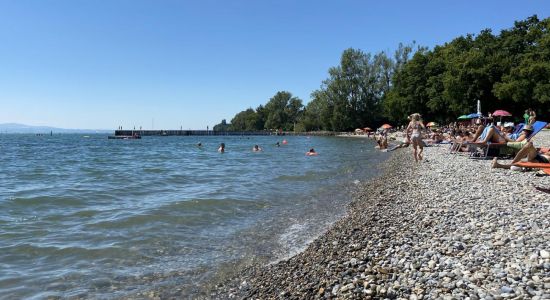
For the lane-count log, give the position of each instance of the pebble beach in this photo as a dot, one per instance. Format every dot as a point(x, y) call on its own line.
point(450, 227)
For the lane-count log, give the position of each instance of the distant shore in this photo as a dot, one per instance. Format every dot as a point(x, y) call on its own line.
point(447, 227)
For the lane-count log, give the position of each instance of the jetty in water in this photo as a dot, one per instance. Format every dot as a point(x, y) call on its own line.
point(215, 133)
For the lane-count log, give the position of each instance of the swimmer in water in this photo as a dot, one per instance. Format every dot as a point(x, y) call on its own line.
point(278, 144)
point(311, 152)
point(199, 144)
point(256, 148)
point(221, 149)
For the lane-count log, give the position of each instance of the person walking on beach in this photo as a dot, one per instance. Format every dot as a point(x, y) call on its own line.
point(414, 134)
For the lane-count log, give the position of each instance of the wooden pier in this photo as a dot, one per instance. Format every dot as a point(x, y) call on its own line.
point(215, 133)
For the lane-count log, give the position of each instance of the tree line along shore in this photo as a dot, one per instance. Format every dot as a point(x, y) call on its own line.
point(509, 70)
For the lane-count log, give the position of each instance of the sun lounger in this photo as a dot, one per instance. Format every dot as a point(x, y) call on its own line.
point(455, 147)
point(545, 167)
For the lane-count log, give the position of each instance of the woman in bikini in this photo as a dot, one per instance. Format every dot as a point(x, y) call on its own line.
point(414, 134)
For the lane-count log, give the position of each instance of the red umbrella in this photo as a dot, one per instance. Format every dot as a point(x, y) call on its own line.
point(501, 113)
point(367, 129)
point(386, 126)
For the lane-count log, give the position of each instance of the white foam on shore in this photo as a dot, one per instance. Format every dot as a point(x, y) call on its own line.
point(293, 241)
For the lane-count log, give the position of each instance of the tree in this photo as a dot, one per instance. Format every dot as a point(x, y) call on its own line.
point(528, 81)
point(246, 120)
point(282, 111)
point(223, 126)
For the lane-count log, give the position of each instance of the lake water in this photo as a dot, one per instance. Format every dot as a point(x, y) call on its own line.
point(84, 216)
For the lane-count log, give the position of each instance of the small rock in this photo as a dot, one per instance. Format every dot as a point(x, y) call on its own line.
point(347, 287)
point(335, 289)
point(506, 290)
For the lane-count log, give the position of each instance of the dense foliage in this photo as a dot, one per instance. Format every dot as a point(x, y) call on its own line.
point(509, 71)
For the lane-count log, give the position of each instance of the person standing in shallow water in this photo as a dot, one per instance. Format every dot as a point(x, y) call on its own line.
point(221, 149)
point(414, 134)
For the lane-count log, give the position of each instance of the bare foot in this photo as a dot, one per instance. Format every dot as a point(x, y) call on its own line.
point(495, 163)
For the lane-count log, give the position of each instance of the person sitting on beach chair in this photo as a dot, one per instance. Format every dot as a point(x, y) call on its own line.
point(496, 136)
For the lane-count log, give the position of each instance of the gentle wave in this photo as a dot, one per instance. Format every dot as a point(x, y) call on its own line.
point(46, 201)
point(95, 218)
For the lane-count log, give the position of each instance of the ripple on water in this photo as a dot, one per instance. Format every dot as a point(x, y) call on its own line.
point(85, 217)
point(38, 202)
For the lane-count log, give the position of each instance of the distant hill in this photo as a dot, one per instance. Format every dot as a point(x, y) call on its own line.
point(22, 128)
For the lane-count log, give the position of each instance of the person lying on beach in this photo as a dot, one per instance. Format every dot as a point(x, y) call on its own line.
point(256, 148)
point(434, 138)
point(404, 144)
point(528, 152)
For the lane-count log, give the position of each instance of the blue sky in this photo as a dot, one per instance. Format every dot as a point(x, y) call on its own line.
point(104, 64)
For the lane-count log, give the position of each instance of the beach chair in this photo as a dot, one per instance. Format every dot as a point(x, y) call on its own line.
point(518, 128)
point(545, 167)
point(488, 150)
point(455, 147)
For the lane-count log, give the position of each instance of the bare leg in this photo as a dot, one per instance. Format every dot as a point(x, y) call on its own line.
point(528, 151)
point(492, 136)
point(414, 151)
point(421, 150)
point(496, 165)
point(478, 133)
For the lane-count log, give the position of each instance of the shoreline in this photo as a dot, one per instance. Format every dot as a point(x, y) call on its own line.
point(447, 227)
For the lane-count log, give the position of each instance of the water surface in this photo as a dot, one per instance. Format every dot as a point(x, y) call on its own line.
point(96, 218)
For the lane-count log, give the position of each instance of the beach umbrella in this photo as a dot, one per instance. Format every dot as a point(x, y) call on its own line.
point(474, 116)
point(431, 124)
point(367, 129)
point(464, 117)
point(386, 126)
point(358, 130)
point(501, 113)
